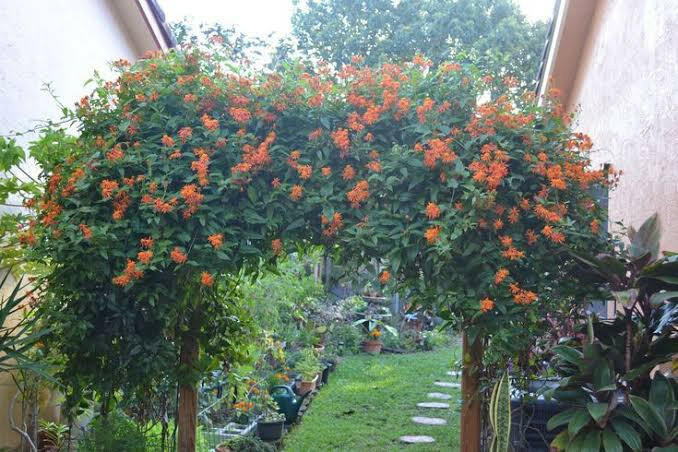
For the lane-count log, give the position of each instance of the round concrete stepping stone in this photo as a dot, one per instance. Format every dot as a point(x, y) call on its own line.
point(439, 395)
point(428, 420)
point(453, 373)
point(447, 384)
point(417, 439)
point(433, 405)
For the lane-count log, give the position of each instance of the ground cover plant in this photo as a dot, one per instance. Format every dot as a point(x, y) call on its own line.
point(188, 176)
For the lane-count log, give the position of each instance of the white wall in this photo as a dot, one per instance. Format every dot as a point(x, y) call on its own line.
point(62, 42)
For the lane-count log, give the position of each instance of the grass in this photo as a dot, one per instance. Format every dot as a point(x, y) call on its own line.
point(368, 403)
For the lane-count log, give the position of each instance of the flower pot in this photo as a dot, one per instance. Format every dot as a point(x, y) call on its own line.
point(325, 376)
point(372, 347)
point(270, 431)
point(304, 387)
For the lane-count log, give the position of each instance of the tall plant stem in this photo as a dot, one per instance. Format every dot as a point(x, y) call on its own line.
point(471, 403)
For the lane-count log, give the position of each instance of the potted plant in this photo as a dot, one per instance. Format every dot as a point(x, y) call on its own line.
point(308, 368)
point(271, 425)
point(373, 323)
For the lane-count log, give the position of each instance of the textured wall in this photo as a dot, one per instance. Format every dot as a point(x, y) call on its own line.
point(58, 41)
point(627, 88)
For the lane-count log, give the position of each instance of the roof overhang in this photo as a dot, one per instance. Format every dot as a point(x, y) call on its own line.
point(145, 22)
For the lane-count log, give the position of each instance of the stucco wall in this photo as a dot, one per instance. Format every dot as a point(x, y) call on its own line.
point(627, 89)
point(57, 41)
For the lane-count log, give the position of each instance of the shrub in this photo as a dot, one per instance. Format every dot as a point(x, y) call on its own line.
point(113, 432)
point(247, 444)
point(344, 339)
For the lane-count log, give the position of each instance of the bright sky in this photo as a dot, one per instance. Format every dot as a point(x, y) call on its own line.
point(260, 17)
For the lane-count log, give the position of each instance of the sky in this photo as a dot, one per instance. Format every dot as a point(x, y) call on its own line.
point(260, 17)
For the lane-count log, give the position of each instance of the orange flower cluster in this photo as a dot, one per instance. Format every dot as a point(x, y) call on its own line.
point(317, 133)
point(553, 235)
point(432, 211)
point(522, 296)
point(296, 192)
point(178, 256)
point(432, 234)
point(491, 169)
point(131, 272)
point(120, 204)
point(86, 231)
point(115, 153)
point(243, 405)
point(276, 246)
point(206, 279)
point(545, 214)
point(486, 304)
point(107, 187)
point(192, 198)
point(241, 115)
point(348, 173)
point(342, 141)
point(201, 166)
point(500, 276)
point(255, 158)
point(69, 189)
point(437, 149)
point(216, 240)
point(326, 171)
point(332, 227)
point(424, 108)
point(374, 166)
point(304, 171)
point(512, 253)
point(185, 133)
point(358, 194)
point(145, 256)
point(384, 277)
point(209, 123)
point(147, 242)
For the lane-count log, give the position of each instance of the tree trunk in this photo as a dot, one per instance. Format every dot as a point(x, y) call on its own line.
point(471, 403)
point(188, 394)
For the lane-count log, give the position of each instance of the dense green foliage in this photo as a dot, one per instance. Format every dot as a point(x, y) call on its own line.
point(113, 432)
point(491, 33)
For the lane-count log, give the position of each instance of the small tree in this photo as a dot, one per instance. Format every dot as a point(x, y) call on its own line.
point(186, 176)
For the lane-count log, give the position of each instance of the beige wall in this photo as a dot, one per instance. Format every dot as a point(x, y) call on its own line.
point(62, 42)
point(627, 89)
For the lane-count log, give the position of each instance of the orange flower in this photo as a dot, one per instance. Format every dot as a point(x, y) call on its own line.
point(145, 256)
point(513, 254)
point(206, 279)
point(296, 192)
point(209, 123)
point(348, 173)
point(304, 171)
point(506, 240)
point(178, 256)
point(498, 224)
point(86, 231)
point(359, 193)
point(384, 277)
point(185, 133)
point(317, 133)
point(458, 205)
point(432, 234)
point(147, 242)
point(341, 140)
point(500, 276)
point(374, 166)
point(531, 237)
point(486, 304)
point(432, 211)
point(595, 226)
point(326, 170)
point(514, 215)
point(175, 155)
point(107, 187)
point(216, 240)
point(276, 182)
point(276, 246)
point(115, 153)
point(241, 115)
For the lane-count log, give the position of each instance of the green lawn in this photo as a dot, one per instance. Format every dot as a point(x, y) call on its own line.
point(369, 401)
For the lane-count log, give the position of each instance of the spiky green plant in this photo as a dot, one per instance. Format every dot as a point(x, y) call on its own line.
point(500, 415)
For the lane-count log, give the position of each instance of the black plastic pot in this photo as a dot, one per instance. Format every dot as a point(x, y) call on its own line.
point(270, 431)
point(528, 424)
point(326, 374)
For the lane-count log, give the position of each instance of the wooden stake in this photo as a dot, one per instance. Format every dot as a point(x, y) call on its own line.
point(471, 403)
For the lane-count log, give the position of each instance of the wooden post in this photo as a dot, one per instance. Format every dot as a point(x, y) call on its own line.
point(187, 414)
point(471, 404)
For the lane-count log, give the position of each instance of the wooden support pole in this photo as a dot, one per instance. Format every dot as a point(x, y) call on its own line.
point(471, 403)
point(187, 414)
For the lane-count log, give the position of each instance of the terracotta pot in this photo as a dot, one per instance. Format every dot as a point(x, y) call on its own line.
point(372, 347)
point(304, 387)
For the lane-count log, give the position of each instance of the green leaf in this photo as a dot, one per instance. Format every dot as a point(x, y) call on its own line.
point(603, 377)
point(659, 297)
point(650, 415)
point(578, 421)
point(569, 354)
point(627, 434)
point(597, 410)
point(561, 418)
point(611, 442)
point(561, 440)
point(592, 441)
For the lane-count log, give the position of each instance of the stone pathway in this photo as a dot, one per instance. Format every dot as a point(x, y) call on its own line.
point(424, 420)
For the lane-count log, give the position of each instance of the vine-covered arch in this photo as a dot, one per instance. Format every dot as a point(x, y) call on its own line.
point(186, 173)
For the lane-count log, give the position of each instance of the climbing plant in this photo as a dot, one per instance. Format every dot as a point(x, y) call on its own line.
point(187, 174)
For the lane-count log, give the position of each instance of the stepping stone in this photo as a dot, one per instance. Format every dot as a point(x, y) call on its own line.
point(447, 384)
point(433, 405)
point(453, 373)
point(428, 420)
point(439, 395)
point(417, 439)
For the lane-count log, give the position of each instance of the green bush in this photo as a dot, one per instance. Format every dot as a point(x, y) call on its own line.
point(116, 432)
point(248, 444)
point(344, 339)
